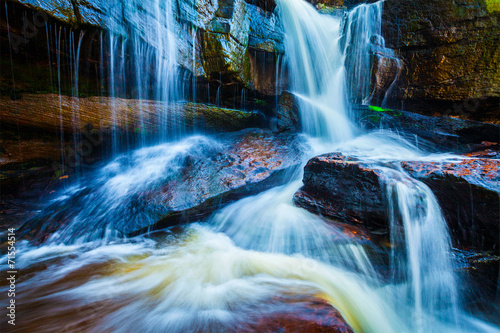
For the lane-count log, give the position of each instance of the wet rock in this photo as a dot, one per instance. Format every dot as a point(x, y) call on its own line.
point(457, 135)
point(239, 165)
point(451, 55)
point(343, 188)
point(468, 193)
point(385, 71)
point(288, 115)
point(347, 189)
point(52, 113)
point(301, 316)
point(480, 271)
point(69, 11)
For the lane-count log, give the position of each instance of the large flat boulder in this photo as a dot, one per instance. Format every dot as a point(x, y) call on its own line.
point(51, 112)
point(347, 189)
point(165, 185)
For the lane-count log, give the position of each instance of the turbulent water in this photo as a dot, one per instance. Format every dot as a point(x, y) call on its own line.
point(255, 257)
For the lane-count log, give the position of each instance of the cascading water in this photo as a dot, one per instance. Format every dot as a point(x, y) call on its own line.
point(146, 35)
point(316, 61)
point(226, 274)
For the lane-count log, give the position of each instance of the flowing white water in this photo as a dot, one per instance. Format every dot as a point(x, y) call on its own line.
point(147, 35)
point(225, 275)
point(316, 62)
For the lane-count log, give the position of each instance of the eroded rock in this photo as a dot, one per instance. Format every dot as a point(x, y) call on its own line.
point(288, 114)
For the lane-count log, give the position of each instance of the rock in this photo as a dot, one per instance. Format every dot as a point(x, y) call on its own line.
point(347, 189)
point(302, 315)
point(199, 182)
point(385, 71)
point(227, 43)
point(288, 114)
point(480, 271)
point(457, 135)
point(74, 12)
point(52, 112)
point(468, 193)
point(451, 55)
point(343, 188)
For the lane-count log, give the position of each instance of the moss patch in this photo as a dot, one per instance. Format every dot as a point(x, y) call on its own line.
point(493, 6)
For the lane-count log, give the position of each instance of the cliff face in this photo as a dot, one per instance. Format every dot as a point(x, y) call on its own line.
point(448, 50)
point(232, 41)
point(451, 55)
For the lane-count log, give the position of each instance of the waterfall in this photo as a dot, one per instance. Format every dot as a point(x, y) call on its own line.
point(421, 253)
point(363, 34)
point(316, 62)
point(143, 42)
point(256, 256)
point(323, 52)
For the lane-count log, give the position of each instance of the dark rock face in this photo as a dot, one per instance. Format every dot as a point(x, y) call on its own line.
point(347, 189)
point(343, 188)
point(239, 165)
point(451, 55)
point(288, 114)
point(468, 193)
point(228, 47)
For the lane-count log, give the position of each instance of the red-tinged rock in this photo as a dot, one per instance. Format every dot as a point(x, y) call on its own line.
point(350, 190)
point(305, 316)
point(468, 193)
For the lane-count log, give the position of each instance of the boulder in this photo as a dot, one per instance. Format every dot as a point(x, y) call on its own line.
point(343, 188)
point(210, 174)
point(451, 56)
point(348, 189)
point(287, 113)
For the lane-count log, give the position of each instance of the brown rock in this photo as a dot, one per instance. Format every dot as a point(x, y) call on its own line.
point(50, 112)
point(302, 316)
point(288, 114)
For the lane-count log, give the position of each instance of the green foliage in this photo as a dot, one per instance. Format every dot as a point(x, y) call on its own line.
point(493, 6)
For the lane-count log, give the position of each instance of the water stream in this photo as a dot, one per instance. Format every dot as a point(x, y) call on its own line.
point(257, 256)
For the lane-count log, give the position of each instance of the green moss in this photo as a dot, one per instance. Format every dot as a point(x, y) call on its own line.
point(493, 6)
point(378, 108)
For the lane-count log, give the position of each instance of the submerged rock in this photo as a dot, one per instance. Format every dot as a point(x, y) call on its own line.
point(302, 316)
point(131, 196)
point(348, 189)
